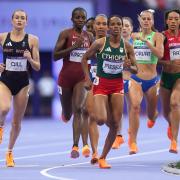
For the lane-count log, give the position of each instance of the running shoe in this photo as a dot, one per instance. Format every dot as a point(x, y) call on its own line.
point(75, 152)
point(103, 164)
point(94, 158)
point(118, 141)
point(173, 147)
point(169, 132)
point(133, 148)
point(1, 134)
point(9, 159)
point(150, 123)
point(86, 151)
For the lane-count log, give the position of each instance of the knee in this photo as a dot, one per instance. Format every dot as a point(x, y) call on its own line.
point(92, 117)
point(4, 111)
point(135, 108)
point(174, 106)
point(115, 125)
point(78, 110)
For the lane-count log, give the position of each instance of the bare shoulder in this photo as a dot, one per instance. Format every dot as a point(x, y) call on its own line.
point(100, 43)
point(65, 33)
point(3, 37)
point(159, 34)
point(33, 37)
point(127, 44)
point(101, 40)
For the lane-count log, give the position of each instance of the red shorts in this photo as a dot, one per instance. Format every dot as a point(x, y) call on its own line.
point(106, 86)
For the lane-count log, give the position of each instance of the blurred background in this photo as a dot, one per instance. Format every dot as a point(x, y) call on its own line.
point(46, 18)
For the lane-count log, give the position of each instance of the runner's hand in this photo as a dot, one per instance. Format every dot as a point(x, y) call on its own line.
point(88, 84)
point(79, 41)
point(27, 55)
point(2, 67)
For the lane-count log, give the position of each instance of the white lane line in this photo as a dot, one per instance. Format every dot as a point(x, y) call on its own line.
point(36, 146)
point(27, 165)
point(39, 155)
point(44, 172)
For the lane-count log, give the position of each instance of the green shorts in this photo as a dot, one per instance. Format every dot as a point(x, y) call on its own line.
point(169, 79)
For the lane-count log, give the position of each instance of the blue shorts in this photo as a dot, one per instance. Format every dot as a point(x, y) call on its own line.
point(126, 86)
point(145, 84)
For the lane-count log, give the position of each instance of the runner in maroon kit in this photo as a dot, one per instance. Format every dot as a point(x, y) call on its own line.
point(71, 45)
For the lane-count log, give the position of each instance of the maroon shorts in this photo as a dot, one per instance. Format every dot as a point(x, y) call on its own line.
point(106, 86)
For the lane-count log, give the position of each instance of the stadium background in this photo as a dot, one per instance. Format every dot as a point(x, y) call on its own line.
point(46, 18)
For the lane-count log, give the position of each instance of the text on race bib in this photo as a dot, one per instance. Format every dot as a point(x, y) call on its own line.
point(112, 67)
point(16, 64)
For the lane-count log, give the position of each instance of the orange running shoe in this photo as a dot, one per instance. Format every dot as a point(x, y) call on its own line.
point(94, 158)
point(75, 152)
point(1, 134)
point(133, 148)
point(169, 132)
point(9, 159)
point(150, 123)
point(103, 164)
point(173, 147)
point(118, 141)
point(86, 151)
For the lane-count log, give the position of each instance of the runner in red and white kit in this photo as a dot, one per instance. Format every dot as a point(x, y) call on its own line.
point(170, 78)
point(71, 45)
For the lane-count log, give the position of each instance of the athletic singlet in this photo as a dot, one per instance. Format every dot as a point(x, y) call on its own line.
point(13, 55)
point(171, 47)
point(110, 60)
point(143, 54)
point(71, 72)
point(15, 76)
point(72, 63)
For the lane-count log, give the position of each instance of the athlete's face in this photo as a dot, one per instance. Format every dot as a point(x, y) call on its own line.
point(146, 20)
point(19, 20)
point(100, 26)
point(79, 19)
point(115, 26)
point(89, 26)
point(127, 28)
point(173, 21)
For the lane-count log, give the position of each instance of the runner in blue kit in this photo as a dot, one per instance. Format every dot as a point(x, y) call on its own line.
point(148, 47)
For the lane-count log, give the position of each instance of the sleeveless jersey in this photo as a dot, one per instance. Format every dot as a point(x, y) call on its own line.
point(16, 64)
point(143, 54)
point(110, 60)
point(72, 63)
point(171, 47)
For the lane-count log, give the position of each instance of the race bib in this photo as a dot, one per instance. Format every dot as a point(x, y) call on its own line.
point(142, 54)
point(93, 71)
point(114, 67)
point(16, 64)
point(77, 54)
point(175, 53)
point(96, 81)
